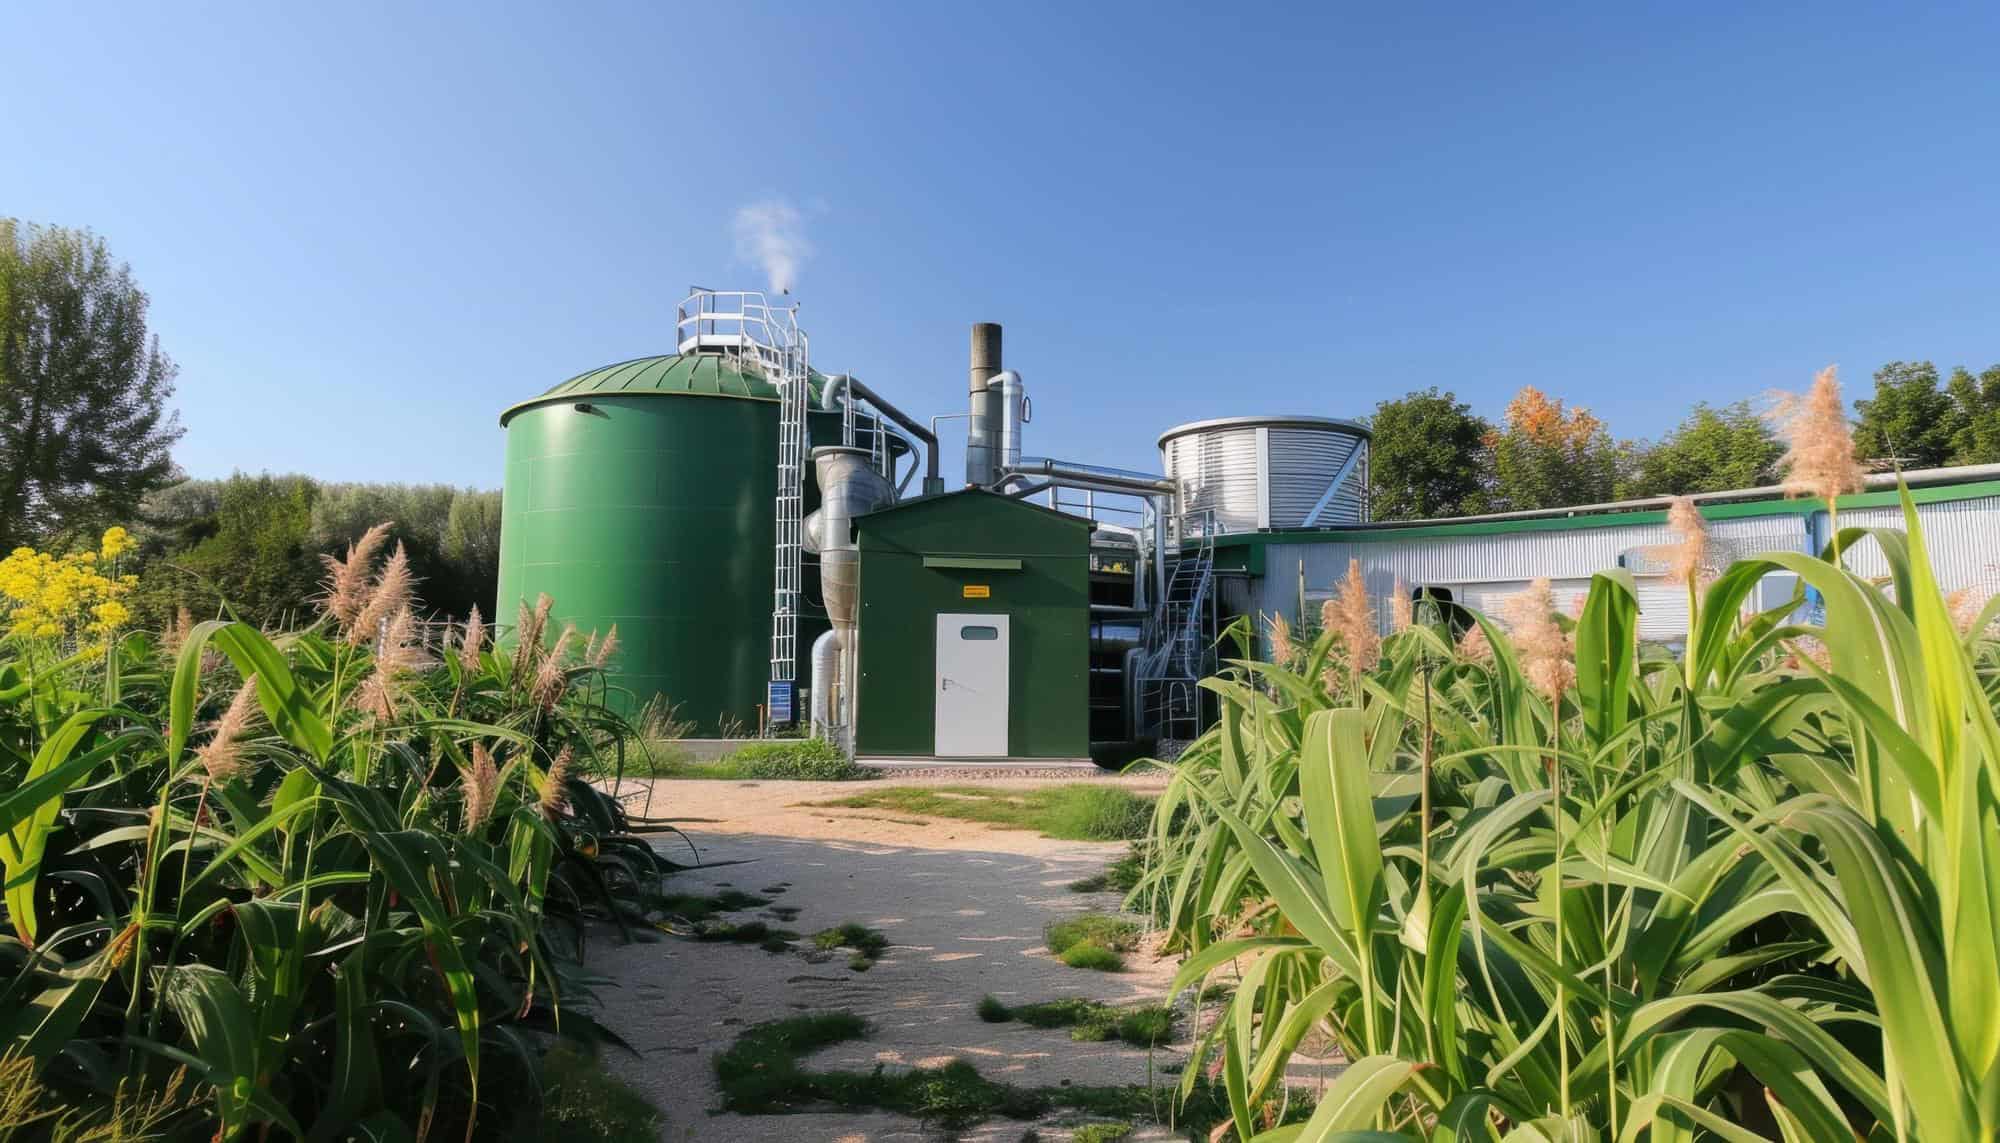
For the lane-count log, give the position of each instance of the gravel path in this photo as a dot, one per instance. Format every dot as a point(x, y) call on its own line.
point(964, 906)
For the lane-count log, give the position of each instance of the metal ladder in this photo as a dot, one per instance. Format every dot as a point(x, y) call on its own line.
point(790, 378)
point(1184, 631)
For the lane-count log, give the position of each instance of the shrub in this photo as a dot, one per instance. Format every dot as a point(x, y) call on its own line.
point(802, 759)
point(992, 1011)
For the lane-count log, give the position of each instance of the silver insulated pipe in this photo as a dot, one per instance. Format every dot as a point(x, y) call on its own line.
point(849, 486)
point(1007, 397)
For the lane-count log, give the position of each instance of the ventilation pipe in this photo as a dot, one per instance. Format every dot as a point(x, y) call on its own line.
point(849, 487)
point(1158, 491)
point(982, 463)
point(847, 386)
point(1007, 397)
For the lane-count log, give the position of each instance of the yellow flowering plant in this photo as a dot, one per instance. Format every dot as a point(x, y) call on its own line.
point(76, 597)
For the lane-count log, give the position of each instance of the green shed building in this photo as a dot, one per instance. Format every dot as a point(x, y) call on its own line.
point(974, 629)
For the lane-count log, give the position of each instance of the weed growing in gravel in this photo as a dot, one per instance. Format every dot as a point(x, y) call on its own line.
point(1093, 956)
point(1101, 929)
point(760, 1075)
point(867, 944)
point(1102, 1133)
point(1088, 1021)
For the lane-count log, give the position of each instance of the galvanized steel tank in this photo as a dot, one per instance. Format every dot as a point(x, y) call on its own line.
point(1270, 472)
point(640, 494)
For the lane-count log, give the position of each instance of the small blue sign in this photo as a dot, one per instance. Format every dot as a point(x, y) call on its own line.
point(778, 703)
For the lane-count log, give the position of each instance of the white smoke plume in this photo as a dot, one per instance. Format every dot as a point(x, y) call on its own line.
point(771, 234)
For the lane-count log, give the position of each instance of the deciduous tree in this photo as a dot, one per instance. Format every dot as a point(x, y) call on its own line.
point(1429, 457)
point(85, 431)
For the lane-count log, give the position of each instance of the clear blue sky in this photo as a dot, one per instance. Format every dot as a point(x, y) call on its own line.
point(367, 229)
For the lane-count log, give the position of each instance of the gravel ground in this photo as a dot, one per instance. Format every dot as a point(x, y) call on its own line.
point(964, 906)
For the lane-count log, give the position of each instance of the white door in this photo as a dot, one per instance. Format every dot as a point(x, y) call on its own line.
point(971, 686)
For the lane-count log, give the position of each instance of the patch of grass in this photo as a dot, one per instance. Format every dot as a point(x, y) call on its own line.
point(1102, 1133)
point(1121, 875)
point(1101, 929)
point(866, 943)
point(1089, 1021)
point(1093, 956)
point(1075, 811)
point(581, 1101)
point(700, 907)
point(760, 1075)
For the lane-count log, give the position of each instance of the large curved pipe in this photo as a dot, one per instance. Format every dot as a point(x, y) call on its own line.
point(849, 487)
point(1158, 491)
point(847, 384)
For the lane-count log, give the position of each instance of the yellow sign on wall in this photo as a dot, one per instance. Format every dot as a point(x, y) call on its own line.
point(978, 591)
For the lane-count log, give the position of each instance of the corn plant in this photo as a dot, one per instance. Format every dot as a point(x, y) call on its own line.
point(329, 881)
point(1742, 895)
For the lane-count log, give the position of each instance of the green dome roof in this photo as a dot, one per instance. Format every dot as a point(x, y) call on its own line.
point(665, 375)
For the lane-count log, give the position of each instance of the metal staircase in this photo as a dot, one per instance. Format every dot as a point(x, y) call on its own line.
point(767, 340)
point(1183, 630)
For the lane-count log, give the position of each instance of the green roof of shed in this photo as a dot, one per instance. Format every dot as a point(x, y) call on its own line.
point(664, 375)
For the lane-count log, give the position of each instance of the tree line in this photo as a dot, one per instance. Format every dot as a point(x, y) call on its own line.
point(1434, 457)
point(86, 437)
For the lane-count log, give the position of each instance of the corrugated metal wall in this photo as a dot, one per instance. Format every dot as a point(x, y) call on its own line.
point(1963, 538)
point(1303, 463)
point(1217, 470)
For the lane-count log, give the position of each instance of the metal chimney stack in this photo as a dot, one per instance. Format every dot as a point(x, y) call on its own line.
point(982, 460)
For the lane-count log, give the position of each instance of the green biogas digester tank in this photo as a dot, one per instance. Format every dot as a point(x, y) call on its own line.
point(641, 494)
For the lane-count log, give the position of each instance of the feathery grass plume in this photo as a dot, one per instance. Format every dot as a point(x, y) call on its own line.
point(1965, 604)
point(347, 580)
point(1687, 556)
point(222, 755)
point(1819, 458)
point(600, 656)
point(1474, 647)
point(394, 590)
point(1808, 648)
point(1354, 621)
point(552, 678)
point(529, 627)
point(1546, 655)
point(468, 647)
point(482, 788)
point(1401, 612)
point(175, 635)
point(1283, 652)
point(555, 797)
point(397, 652)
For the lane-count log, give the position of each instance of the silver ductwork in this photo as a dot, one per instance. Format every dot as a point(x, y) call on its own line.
point(825, 670)
point(982, 462)
point(1160, 493)
point(1006, 394)
point(849, 486)
point(845, 386)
